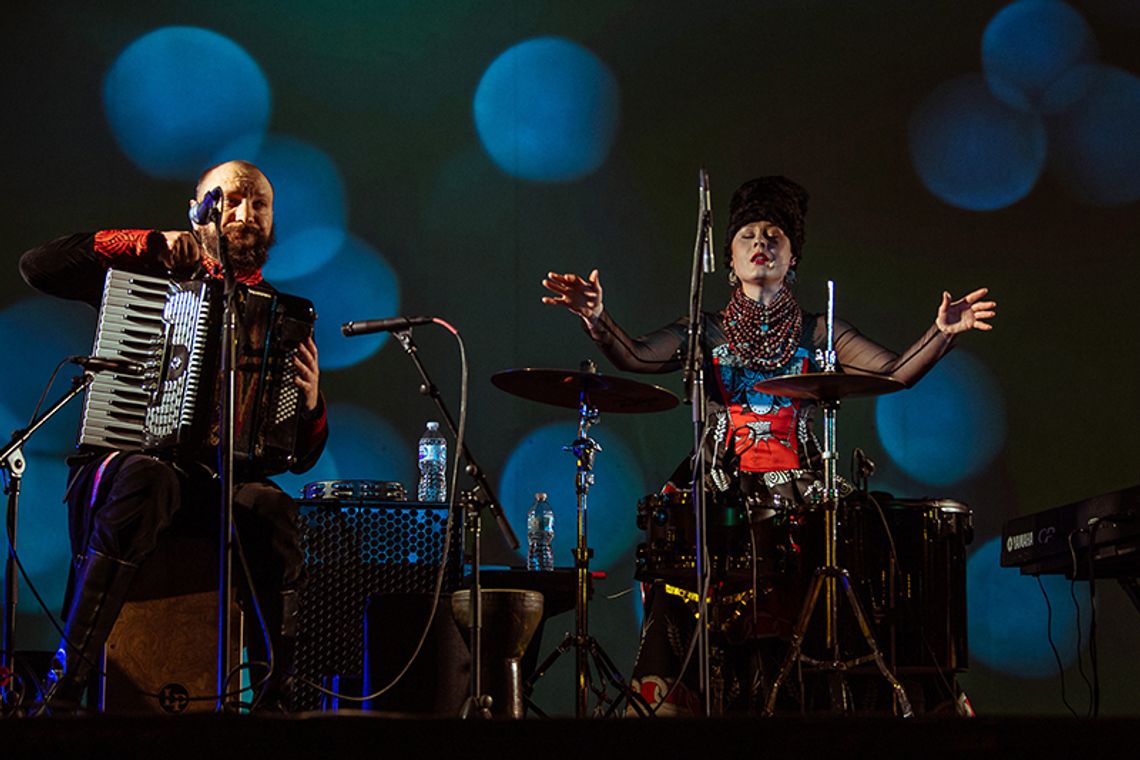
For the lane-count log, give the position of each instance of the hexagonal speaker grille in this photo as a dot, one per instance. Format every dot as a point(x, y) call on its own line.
point(352, 552)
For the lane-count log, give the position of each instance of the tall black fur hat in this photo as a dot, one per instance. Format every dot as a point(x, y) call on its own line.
point(774, 199)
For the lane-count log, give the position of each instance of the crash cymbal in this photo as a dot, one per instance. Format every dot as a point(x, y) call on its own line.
point(562, 387)
point(828, 386)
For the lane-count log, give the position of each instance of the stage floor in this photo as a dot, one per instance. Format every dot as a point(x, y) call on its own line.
point(327, 736)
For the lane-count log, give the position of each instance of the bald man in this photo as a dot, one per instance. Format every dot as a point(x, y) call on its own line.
point(121, 502)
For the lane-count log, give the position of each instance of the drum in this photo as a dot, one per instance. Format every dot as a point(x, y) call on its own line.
point(747, 539)
point(916, 594)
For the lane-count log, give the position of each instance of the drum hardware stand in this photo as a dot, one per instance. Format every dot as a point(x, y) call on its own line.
point(862, 470)
point(13, 463)
point(586, 646)
point(477, 704)
point(830, 575)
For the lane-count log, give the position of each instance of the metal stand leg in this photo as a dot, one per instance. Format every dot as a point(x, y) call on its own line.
point(608, 675)
point(836, 666)
point(8, 635)
point(478, 704)
point(827, 579)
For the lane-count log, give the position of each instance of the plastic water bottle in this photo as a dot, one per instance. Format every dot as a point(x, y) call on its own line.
point(433, 465)
point(540, 534)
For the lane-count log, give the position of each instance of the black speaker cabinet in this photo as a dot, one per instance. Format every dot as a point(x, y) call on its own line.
point(353, 551)
point(436, 683)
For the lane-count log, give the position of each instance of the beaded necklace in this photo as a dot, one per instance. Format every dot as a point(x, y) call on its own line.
point(762, 336)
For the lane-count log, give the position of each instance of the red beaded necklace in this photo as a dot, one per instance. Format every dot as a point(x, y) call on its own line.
point(763, 336)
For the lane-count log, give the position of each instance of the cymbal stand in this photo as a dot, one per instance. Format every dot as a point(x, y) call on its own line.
point(586, 646)
point(827, 577)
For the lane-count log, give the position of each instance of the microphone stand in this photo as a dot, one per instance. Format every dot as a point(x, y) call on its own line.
point(695, 396)
point(13, 462)
point(226, 466)
point(477, 703)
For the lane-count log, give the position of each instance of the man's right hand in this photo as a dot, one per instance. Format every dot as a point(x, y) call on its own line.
point(182, 251)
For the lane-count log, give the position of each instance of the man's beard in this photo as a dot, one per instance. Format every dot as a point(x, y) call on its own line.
point(248, 247)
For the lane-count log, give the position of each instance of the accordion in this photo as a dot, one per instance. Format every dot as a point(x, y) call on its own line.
point(172, 331)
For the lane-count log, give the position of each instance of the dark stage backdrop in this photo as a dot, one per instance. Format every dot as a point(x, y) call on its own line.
point(440, 157)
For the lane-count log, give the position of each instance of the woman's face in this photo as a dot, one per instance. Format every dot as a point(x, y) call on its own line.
point(761, 254)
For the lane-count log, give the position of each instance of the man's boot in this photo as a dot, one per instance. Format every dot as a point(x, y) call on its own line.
point(101, 586)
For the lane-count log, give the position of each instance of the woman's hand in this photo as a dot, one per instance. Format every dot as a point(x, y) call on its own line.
point(966, 313)
point(583, 297)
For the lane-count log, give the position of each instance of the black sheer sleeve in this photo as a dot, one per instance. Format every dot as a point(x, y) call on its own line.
point(659, 351)
point(860, 355)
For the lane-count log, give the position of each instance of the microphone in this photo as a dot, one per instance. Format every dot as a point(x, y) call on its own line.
point(391, 324)
point(864, 465)
point(105, 364)
point(201, 211)
point(708, 261)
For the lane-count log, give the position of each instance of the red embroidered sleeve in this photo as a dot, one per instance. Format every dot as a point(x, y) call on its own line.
point(314, 431)
point(112, 244)
point(115, 244)
point(312, 434)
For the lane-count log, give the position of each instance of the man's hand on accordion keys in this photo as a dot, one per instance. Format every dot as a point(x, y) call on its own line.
point(308, 373)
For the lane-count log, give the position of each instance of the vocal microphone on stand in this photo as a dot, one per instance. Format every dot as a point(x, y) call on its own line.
point(708, 260)
point(390, 324)
point(203, 210)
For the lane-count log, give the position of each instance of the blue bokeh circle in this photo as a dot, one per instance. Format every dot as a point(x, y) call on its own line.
point(547, 110)
point(310, 203)
point(972, 151)
point(948, 426)
point(362, 446)
point(176, 95)
point(1095, 146)
point(42, 539)
point(42, 332)
point(1008, 617)
point(538, 463)
point(325, 469)
point(42, 535)
point(357, 283)
point(1030, 45)
point(369, 447)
